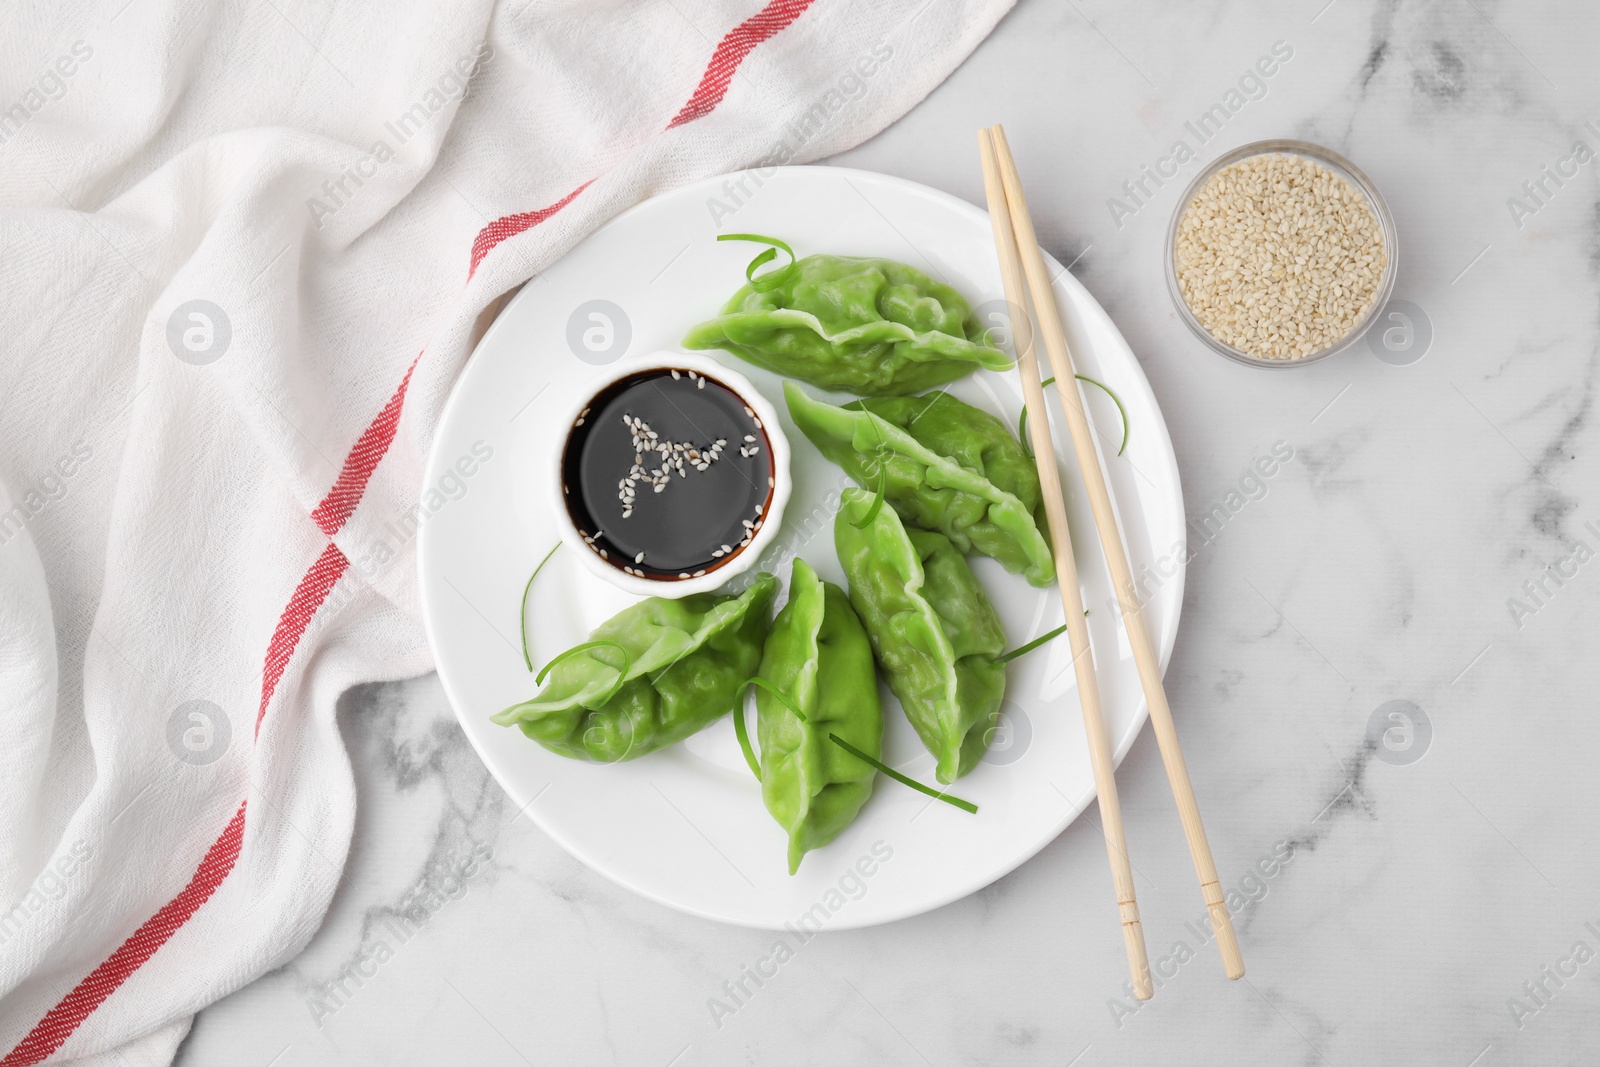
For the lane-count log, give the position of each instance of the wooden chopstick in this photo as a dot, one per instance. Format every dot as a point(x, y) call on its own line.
point(1044, 452)
point(1144, 656)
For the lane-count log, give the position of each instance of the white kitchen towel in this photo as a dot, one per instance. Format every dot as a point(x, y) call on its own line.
point(244, 249)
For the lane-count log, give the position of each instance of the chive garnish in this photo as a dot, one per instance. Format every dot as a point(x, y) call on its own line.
point(1022, 420)
point(877, 503)
point(881, 452)
point(741, 730)
point(1007, 657)
point(622, 671)
point(527, 657)
point(1117, 400)
point(761, 683)
point(773, 278)
point(957, 802)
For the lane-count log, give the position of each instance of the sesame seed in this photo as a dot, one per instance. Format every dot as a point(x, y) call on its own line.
point(639, 558)
point(676, 376)
point(699, 573)
point(683, 574)
point(701, 384)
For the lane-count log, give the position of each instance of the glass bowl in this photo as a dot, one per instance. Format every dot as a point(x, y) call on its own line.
point(1339, 165)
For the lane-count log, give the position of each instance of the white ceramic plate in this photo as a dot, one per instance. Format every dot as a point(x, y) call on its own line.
point(686, 826)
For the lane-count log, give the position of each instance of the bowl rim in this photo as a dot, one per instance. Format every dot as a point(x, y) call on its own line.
point(1333, 161)
point(782, 482)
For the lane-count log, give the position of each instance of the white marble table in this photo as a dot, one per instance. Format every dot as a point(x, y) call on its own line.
point(1441, 910)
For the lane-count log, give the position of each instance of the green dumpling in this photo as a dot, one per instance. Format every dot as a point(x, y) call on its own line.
point(870, 326)
point(686, 664)
point(947, 466)
point(933, 631)
point(818, 656)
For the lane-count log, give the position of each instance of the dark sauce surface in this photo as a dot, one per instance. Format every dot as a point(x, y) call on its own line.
point(682, 529)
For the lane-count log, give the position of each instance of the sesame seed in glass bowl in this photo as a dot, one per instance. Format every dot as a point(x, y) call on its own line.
point(1280, 253)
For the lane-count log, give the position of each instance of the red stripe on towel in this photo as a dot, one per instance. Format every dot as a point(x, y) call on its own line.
point(342, 499)
point(64, 1018)
point(731, 51)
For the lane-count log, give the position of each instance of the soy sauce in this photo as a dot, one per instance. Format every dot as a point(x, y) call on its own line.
point(668, 474)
